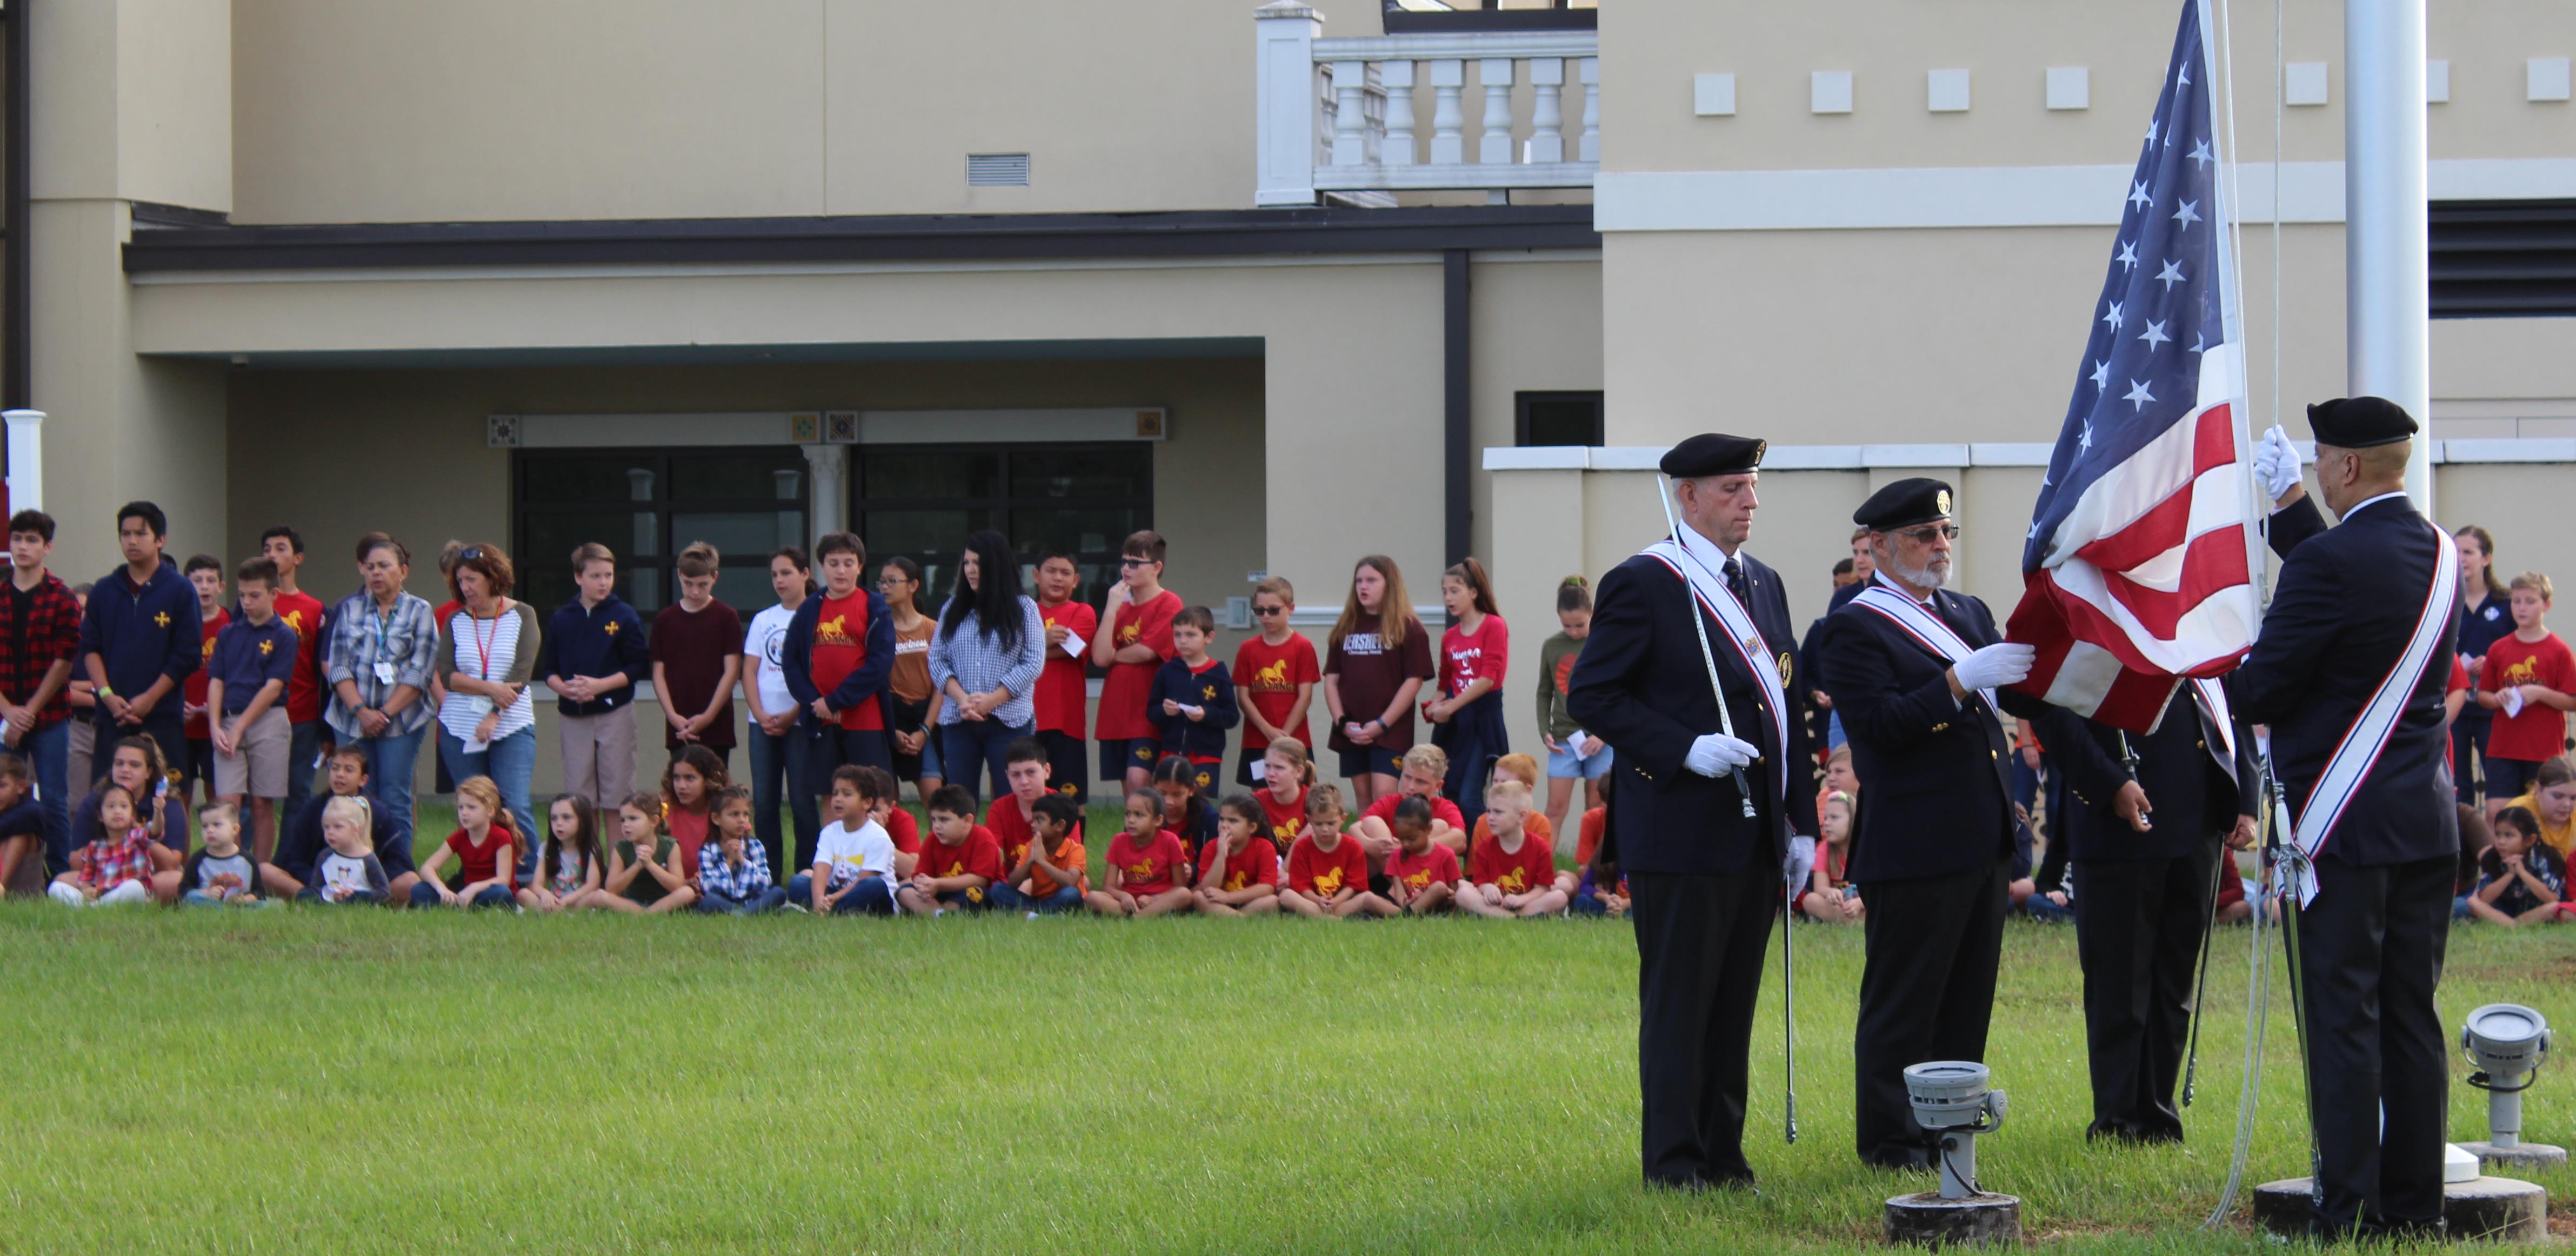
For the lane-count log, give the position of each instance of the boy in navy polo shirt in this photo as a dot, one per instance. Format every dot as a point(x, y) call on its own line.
point(139, 637)
point(593, 656)
point(1192, 700)
point(245, 702)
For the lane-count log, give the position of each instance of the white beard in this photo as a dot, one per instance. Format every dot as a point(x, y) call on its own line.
point(1925, 578)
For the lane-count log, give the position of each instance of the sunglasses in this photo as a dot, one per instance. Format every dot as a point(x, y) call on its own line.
point(1267, 611)
point(1946, 531)
point(469, 553)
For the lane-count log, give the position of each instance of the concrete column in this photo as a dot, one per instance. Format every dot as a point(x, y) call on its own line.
point(831, 464)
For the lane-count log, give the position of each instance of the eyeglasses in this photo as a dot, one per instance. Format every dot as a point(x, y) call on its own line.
point(888, 582)
point(1134, 562)
point(1267, 611)
point(1923, 536)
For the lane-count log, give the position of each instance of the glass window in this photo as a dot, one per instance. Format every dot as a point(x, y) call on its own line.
point(910, 475)
point(1557, 418)
point(921, 502)
point(647, 506)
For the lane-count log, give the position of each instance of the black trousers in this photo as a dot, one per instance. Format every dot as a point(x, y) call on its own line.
point(2370, 954)
point(1927, 991)
point(2138, 929)
point(1700, 943)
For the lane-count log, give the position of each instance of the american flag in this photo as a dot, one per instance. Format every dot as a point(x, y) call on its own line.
point(2136, 568)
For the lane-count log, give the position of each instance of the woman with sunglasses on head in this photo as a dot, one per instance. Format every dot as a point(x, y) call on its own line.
point(985, 658)
point(379, 666)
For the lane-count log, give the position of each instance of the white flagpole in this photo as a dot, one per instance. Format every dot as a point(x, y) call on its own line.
point(2387, 314)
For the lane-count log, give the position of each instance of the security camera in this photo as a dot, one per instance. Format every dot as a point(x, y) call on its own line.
point(1951, 1099)
point(2506, 1042)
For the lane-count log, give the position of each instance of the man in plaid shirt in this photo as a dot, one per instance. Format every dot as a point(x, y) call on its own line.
point(733, 871)
point(40, 624)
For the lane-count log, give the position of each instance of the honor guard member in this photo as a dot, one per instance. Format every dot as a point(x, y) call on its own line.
point(2147, 821)
point(1915, 671)
point(1703, 865)
point(2349, 671)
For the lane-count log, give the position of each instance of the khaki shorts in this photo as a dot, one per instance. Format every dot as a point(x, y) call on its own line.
point(259, 769)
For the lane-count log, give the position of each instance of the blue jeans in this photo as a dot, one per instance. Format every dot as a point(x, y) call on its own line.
point(1009, 898)
point(774, 771)
point(390, 759)
point(200, 898)
point(363, 898)
point(976, 746)
point(715, 904)
point(424, 894)
point(872, 898)
point(510, 761)
point(49, 752)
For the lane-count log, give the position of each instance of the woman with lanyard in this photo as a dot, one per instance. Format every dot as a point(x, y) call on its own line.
point(381, 649)
point(486, 650)
point(2485, 618)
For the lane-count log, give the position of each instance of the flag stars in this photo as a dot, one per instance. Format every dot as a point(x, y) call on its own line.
point(2188, 214)
point(2171, 274)
point(2138, 195)
point(2196, 339)
point(2154, 335)
point(2137, 397)
point(2084, 441)
point(2112, 315)
point(2101, 375)
point(2200, 155)
point(2152, 123)
point(2128, 256)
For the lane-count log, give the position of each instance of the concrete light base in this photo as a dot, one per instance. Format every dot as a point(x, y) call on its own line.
point(1931, 1221)
point(2518, 1156)
point(2484, 1208)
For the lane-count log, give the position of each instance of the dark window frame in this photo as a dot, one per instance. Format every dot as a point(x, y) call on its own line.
point(1523, 401)
point(1001, 503)
point(664, 507)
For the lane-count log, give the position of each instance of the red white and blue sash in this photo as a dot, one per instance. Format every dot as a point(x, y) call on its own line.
point(1914, 620)
point(1750, 649)
point(2368, 736)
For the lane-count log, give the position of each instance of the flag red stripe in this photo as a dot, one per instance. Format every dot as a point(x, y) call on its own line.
point(2090, 623)
point(2213, 563)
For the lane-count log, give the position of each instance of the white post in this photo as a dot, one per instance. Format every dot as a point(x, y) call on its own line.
point(1287, 109)
point(2387, 312)
point(831, 498)
point(1397, 77)
point(1494, 147)
point(26, 459)
point(1547, 110)
point(1588, 146)
point(1350, 113)
point(1448, 143)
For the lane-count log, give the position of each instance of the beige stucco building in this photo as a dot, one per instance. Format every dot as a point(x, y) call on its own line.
point(1288, 285)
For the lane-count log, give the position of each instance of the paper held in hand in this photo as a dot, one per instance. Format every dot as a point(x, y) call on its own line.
point(1073, 643)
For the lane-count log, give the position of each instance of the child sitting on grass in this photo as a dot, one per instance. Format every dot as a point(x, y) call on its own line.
point(885, 806)
point(1328, 872)
point(1510, 874)
point(568, 868)
point(644, 869)
point(854, 869)
point(1240, 869)
point(733, 870)
point(485, 850)
point(1603, 888)
point(347, 871)
point(1422, 875)
point(22, 820)
point(1146, 864)
point(1048, 873)
point(1286, 774)
point(1424, 769)
point(1832, 898)
point(958, 864)
point(2519, 880)
point(116, 866)
point(219, 874)
point(1185, 805)
point(1522, 768)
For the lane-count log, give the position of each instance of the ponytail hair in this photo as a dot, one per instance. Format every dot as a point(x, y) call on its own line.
point(1480, 589)
point(1294, 752)
point(2486, 546)
point(1573, 594)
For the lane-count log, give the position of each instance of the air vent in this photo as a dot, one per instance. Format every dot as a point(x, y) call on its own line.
point(997, 170)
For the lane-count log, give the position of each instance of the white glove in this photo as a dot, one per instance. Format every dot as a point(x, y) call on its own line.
point(1718, 754)
point(2276, 464)
point(2003, 663)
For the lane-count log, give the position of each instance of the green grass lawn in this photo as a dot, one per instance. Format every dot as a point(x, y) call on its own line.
point(306, 1080)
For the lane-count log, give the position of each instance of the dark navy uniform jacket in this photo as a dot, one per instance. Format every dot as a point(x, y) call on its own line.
point(1935, 780)
point(2195, 788)
point(2347, 601)
point(1642, 686)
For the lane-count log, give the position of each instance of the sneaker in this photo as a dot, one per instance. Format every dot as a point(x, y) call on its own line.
point(1033, 915)
point(800, 907)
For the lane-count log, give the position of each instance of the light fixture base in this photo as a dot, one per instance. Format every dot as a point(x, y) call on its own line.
point(2518, 1156)
point(2501, 1209)
point(1928, 1220)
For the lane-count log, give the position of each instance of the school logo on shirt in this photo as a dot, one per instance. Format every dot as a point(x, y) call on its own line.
point(833, 631)
point(1420, 878)
point(294, 622)
point(1565, 672)
point(267, 647)
point(1141, 870)
point(1207, 693)
point(1287, 833)
point(1271, 679)
point(1364, 643)
point(1129, 634)
point(208, 647)
point(610, 628)
point(161, 619)
point(2521, 672)
point(1329, 881)
point(1237, 880)
point(1514, 881)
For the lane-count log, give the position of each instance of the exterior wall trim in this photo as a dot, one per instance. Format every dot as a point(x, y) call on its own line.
point(2462, 451)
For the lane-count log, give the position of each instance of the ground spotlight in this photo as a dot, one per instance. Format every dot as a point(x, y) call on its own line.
point(2506, 1043)
point(1953, 1102)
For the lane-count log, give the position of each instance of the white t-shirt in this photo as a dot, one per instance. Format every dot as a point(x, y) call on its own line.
point(763, 642)
point(866, 851)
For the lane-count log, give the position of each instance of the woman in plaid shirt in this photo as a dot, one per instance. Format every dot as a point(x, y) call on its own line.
point(116, 866)
point(380, 651)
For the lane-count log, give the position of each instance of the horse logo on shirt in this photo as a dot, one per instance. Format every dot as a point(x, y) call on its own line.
point(1271, 679)
point(1237, 880)
point(833, 631)
point(1328, 882)
point(1141, 870)
point(294, 622)
point(1513, 882)
point(1130, 634)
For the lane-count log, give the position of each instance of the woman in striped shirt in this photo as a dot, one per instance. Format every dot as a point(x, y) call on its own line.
point(486, 649)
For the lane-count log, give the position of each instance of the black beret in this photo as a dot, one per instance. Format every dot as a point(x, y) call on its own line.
point(1904, 504)
point(1713, 453)
point(2360, 422)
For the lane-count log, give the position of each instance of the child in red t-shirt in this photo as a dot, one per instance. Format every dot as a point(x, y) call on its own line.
point(1274, 679)
point(1424, 769)
point(1286, 774)
point(2529, 680)
point(1422, 875)
point(885, 806)
point(960, 862)
point(1063, 688)
point(207, 574)
point(1522, 768)
point(1328, 873)
point(1138, 643)
point(485, 850)
point(1241, 876)
point(1509, 874)
point(1146, 864)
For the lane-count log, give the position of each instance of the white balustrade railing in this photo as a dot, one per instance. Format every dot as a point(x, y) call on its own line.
point(1337, 116)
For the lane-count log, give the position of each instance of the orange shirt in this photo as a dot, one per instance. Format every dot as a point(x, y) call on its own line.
point(1532, 822)
point(1587, 837)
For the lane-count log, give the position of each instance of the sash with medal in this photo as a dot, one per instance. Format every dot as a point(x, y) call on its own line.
point(1750, 649)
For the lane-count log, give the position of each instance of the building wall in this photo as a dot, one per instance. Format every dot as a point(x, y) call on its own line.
point(1534, 324)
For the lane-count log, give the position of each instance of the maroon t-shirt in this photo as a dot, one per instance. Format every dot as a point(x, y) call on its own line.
point(691, 647)
point(1371, 673)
